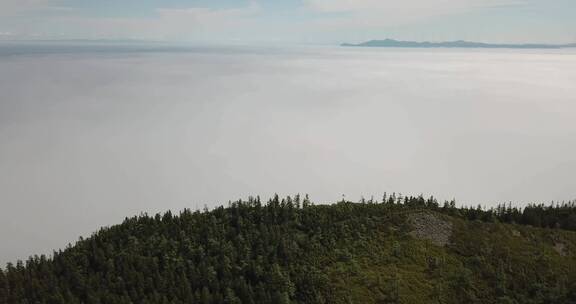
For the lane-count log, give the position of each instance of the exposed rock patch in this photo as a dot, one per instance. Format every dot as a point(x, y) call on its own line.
point(561, 249)
point(430, 227)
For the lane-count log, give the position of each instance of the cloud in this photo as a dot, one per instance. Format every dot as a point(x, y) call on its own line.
point(208, 17)
point(404, 6)
point(103, 137)
point(325, 21)
point(370, 13)
point(11, 8)
point(167, 23)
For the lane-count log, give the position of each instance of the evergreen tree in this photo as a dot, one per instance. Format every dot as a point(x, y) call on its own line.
point(292, 251)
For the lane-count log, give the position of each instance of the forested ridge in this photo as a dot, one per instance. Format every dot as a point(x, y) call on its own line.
point(292, 251)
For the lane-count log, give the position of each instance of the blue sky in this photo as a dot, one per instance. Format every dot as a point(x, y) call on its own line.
point(291, 21)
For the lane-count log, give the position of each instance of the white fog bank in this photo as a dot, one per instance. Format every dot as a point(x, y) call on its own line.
point(87, 138)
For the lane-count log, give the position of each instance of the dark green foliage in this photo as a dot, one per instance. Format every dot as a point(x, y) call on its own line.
point(290, 251)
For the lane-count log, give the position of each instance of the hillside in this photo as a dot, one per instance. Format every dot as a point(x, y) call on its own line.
point(456, 44)
point(398, 250)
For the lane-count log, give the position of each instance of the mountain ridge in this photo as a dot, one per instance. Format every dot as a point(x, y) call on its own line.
point(397, 250)
point(455, 44)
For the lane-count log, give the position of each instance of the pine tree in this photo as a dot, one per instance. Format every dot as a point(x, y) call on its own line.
point(3, 287)
point(206, 296)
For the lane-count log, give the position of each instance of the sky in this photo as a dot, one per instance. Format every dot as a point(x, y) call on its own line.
point(90, 137)
point(291, 21)
point(260, 100)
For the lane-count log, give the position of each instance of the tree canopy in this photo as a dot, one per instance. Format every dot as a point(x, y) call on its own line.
point(291, 251)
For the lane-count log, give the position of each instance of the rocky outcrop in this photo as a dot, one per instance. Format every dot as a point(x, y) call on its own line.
point(561, 249)
point(428, 226)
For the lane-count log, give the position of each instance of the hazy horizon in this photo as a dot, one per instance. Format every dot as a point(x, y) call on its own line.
point(90, 136)
point(290, 21)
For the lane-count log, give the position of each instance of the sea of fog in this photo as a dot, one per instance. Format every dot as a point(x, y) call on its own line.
point(91, 133)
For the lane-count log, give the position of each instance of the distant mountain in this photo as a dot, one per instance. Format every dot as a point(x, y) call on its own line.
point(397, 250)
point(456, 44)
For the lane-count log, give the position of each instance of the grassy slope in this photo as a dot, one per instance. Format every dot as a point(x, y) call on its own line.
point(493, 260)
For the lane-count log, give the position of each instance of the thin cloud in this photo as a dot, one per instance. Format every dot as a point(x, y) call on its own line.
point(14, 8)
point(168, 23)
point(208, 17)
point(376, 13)
point(433, 6)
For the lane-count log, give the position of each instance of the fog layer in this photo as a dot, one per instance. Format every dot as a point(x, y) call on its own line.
point(88, 138)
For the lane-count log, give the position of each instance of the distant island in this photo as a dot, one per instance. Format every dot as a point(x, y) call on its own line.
point(456, 44)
